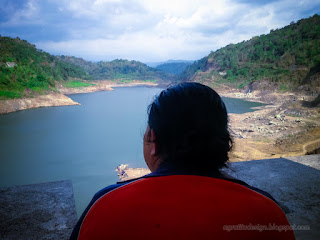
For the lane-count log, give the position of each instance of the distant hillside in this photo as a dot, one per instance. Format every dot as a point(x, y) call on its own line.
point(118, 69)
point(85, 65)
point(155, 64)
point(174, 67)
point(24, 69)
point(286, 58)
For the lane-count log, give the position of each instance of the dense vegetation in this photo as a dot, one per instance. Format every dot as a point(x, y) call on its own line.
point(31, 69)
point(75, 84)
point(285, 57)
point(118, 69)
point(174, 67)
point(25, 70)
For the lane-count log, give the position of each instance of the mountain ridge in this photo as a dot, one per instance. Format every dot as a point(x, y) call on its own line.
point(117, 69)
point(175, 68)
point(26, 71)
point(287, 58)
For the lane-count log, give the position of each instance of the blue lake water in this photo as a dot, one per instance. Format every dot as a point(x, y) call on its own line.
point(82, 143)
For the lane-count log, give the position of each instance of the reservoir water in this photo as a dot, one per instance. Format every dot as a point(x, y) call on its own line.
point(82, 143)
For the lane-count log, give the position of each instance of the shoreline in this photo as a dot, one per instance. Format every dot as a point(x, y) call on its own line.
point(60, 99)
point(48, 100)
point(283, 127)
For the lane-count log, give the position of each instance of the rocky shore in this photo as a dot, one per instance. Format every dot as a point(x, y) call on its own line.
point(286, 126)
point(97, 87)
point(49, 100)
point(54, 99)
point(126, 173)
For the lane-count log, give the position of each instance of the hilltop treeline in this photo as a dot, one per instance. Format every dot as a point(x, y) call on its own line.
point(285, 57)
point(118, 69)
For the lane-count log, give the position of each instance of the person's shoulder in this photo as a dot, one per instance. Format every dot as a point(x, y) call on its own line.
point(111, 188)
point(255, 189)
point(96, 197)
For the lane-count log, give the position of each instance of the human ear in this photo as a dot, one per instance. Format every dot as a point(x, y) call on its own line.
point(154, 150)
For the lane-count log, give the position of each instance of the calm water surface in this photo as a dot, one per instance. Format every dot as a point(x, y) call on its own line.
point(82, 143)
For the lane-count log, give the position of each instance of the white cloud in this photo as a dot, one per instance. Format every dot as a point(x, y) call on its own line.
point(152, 30)
point(137, 46)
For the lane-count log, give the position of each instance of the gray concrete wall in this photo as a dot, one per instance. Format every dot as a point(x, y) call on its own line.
point(37, 211)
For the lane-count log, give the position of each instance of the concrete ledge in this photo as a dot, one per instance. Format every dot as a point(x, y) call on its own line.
point(37, 211)
point(47, 210)
point(293, 181)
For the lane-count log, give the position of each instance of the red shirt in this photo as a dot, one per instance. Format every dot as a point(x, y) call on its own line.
point(184, 207)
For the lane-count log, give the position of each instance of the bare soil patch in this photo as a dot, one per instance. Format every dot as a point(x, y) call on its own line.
point(284, 127)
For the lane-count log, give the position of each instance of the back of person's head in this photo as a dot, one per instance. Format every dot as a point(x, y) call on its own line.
point(190, 122)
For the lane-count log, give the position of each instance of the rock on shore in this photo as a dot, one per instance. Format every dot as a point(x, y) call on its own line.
point(125, 173)
point(49, 100)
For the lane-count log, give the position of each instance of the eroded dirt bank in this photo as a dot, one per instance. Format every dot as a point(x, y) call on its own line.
point(284, 127)
point(60, 99)
point(97, 87)
point(101, 85)
point(49, 100)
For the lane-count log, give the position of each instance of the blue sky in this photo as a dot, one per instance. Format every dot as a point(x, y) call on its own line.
point(145, 30)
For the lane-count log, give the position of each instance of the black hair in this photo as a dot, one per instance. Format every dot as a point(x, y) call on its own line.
point(190, 122)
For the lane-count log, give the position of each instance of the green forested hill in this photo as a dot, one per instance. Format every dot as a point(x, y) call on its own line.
point(85, 65)
point(23, 68)
point(118, 69)
point(287, 57)
point(126, 69)
point(174, 67)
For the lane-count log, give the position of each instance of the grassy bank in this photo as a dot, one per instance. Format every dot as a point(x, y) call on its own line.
point(75, 84)
point(5, 94)
point(19, 92)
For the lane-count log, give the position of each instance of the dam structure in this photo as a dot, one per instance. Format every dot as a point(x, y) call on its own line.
point(47, 210)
